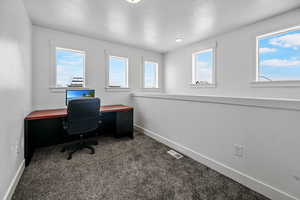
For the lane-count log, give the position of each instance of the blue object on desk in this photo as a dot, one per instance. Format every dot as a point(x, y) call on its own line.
point(79, 94)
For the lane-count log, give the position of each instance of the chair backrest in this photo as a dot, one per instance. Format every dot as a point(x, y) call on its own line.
point(83, 115)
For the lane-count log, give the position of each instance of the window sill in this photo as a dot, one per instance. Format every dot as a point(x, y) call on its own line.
point(63, 89)
point(203, 85)
point(117, 89)
point(270, 84)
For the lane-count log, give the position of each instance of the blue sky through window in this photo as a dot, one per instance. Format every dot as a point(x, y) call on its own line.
point(204, 67)
point(150, 75)
point(69, 64)
point(279, 57)
point(118, 71)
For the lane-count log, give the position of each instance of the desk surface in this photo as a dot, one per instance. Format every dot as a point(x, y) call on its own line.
point(55, 113)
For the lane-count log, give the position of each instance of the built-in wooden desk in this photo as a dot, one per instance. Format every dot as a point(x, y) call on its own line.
point(44, 127)
point(55, 113)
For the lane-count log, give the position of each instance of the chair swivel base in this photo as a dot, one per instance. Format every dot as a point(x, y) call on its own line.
point(72, 148)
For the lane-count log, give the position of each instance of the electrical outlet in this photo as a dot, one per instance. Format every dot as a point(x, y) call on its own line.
point(17, 149)
point(238, 151)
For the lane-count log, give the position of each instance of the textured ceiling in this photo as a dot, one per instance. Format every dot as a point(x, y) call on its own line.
point(152, 24)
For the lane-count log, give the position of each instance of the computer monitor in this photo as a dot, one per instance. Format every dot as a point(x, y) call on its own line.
point(79, 94)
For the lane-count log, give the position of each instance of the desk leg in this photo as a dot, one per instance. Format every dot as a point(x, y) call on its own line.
point(28, 150)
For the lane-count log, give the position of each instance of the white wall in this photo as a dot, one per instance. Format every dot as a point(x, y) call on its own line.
point(44, 98)
point(235, 62)
point(270, 136)
point(208, 131)
point(15, 87)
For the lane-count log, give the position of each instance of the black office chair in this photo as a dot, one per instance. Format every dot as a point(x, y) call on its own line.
point(83, 117)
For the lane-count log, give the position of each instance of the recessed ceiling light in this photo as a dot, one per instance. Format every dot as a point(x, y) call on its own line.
point(133, 1)
point(179, 39)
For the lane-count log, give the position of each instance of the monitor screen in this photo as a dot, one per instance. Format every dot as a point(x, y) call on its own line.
point(79, 94)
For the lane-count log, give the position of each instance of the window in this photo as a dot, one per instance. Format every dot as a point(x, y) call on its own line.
point(278, 56)
point(118, 72)
point(70, 65)
point(150, 74)
point(203, 68)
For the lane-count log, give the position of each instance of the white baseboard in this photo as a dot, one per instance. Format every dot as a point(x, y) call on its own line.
point(14, 182)
point(244, 179)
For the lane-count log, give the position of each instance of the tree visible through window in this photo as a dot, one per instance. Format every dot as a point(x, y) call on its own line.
point(278, 56)
point(70, 66)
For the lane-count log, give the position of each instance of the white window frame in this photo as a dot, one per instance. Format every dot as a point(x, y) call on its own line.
point(204, 85)
point(53, 68)
point(276, 83)
point(108, 55)
point(156, 73)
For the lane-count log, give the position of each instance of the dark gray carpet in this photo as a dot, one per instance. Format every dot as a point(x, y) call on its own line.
point(124, 169)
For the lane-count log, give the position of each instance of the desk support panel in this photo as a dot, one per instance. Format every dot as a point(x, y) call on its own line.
point(49, 131)
point(124, 124)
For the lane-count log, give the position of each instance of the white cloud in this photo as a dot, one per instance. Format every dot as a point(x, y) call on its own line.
point(267, 50)
point(287, 41)
point(280, 63)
